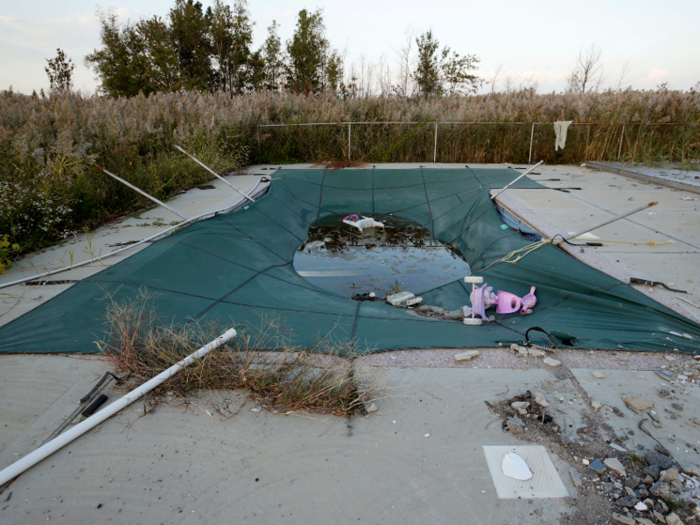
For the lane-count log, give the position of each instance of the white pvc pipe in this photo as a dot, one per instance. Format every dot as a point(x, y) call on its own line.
point(75, 432)
point(516, 180)
point(160, 203)
point(214, 173)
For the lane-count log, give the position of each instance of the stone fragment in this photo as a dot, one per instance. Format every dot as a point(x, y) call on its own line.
point(622, 519)
point(414, 301)
point(661, 490)
point(540, 400)
point(615, 465)
point(467, 356)
point(657, 460)
point(638, 402)
point(692, 471)
point(598, 375)
point(536, 352)
point(627, 502)
point(520, 404)
point(641, 507)
point(617, 447)
point(665, 394)
point(630, 492)
point(644, 521)
point(551, 362)
point(372, 408)
point(677, 406)
point(597, 466)
point(596, 405)
point(696, 420)
point(632, 482)
point(648, 480)
point(676, 484)
point(515, 425)
point(400, 298)
point(575, 478)
point(659, 517)
point(669, 475)
point(673, 519)
point(649, 503)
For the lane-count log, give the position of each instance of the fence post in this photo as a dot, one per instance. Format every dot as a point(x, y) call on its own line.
point(532, 136)
point(622, 135)
point(435, 151)
point(349, 142)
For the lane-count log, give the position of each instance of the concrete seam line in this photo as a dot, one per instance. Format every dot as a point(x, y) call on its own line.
point(61, 440)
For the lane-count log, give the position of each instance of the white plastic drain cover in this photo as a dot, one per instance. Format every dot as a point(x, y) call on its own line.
point(545, 482)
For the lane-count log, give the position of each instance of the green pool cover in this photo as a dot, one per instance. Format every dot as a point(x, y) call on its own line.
point(237, 269)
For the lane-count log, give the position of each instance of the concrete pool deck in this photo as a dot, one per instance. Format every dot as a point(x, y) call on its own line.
point(186, 463)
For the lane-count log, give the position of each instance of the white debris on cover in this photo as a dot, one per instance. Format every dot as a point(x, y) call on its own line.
point(515, 467)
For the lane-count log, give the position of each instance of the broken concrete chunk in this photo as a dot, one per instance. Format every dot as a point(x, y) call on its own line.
point(661, 490)
point(467, 356)
point(540, 400)
point(673, 519)
point(515, 425)
point(372, 408)
point(638, 402)
point(598, 375)
point(596, 405)
point(575, 478)
point(644, 521)
point(669, 475)
point(399, 299)
point(659, 517)
point(414, 301)
point(615, 465)
point(617, 447)
point(623, 519)
point(536, 352)
point(520, 404)
point(692, 471)
point(551, 362)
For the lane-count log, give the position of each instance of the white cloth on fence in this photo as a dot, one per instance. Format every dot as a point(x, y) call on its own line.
point(560, 128)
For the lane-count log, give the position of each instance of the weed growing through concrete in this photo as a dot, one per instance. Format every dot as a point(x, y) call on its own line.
point(322, 379)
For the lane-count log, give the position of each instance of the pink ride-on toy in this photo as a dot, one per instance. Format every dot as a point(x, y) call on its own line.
point(529, 301)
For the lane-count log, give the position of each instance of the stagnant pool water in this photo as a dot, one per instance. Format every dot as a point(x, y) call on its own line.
point(402, 257)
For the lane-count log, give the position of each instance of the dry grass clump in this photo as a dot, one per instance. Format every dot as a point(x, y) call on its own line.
point(322, 379)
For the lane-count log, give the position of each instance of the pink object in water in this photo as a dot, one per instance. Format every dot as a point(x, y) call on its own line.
point(508, 303)
point(529, 301)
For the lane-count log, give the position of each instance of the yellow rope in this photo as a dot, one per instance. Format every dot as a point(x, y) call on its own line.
point(650, 243)
point(515, 256)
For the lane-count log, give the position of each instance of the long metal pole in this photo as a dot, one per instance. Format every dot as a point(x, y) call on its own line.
point(214, 173)
point(616, 218)
point(532, 136)
point(78, 430)
point(516, 180)
point(141, 192)
point(435, 151)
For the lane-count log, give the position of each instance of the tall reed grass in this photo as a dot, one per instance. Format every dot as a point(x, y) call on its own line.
point(48, 187)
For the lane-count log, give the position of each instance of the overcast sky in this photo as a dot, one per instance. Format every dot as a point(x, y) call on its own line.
point(533, 40)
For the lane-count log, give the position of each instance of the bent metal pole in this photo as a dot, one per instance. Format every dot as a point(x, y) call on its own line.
point(616, 218)
point(61, 440)
point(215, 174)
point(141, 192)
point(516, 180)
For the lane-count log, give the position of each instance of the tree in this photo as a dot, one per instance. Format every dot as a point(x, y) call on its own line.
point(121, 64)
point(242, 68)
point(161, 60)
point(427, 73)
point(307, 51)
point(273, 61)
point(440, 72)
point(190, 29)
point(587, 73)
point(60, 72)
